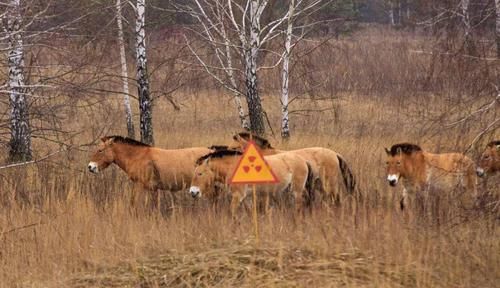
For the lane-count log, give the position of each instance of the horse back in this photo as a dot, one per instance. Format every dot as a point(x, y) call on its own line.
point(288, 166)
point(320, 159)
point(450, 162)
point(175, 167)
point(450, 170)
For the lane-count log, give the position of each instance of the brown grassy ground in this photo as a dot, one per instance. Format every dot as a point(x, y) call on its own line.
point(62, 227)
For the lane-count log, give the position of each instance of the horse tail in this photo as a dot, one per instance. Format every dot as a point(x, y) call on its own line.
point(309, 186)
point(349, 181)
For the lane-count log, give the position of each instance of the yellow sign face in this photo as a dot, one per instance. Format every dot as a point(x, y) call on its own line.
point(253, 168)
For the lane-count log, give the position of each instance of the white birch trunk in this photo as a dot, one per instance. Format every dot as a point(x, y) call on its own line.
point(285, 127)
point(145, 104)
point(251, 56)
point(391, 14)
point(408, 10)
point(237, 99)
point(124, 72)
point(469, 45)
point(497, 26)
point(20, 142)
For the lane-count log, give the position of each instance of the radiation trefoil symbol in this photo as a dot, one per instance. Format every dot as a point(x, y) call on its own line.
point(253, 168)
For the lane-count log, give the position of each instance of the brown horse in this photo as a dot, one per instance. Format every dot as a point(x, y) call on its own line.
point(213, 172)
point(327, 166)
point(420, 171)
point(489, 162)
point(149, 167)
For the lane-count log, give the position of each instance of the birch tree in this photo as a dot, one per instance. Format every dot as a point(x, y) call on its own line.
point(397, 12)
point(235, 27)
point(145, 103)
point(391, 14)
point(497, 26)
point(467, 26)
point(20, 131)
point(124, 72)
point(285, 75)
point(251, 47)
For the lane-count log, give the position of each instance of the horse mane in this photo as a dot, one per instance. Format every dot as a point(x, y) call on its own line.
point(218, 147)
point(406, 148)
point(259, 140)
point(493, 143)
point(125, 140)
point(218, 154)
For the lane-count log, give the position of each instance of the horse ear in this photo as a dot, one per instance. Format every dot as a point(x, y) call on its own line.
point(236, 137)
point(388, 151)
point(498, 147)
point(103, 139)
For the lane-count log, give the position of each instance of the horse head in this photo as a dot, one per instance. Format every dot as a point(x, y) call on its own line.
point(489, 160)
point(103, 156)
point(204, 180)
point(239, 143)
point(399, 161)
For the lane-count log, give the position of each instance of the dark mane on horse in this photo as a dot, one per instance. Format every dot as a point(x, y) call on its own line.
point(493, 143)
point(218, 147)
point(406, 148)
point(259, 140)
point(125, 140)
point(218, 154)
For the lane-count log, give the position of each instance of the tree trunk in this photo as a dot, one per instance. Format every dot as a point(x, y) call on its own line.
point(497, 26)
point(397, 6)
point(468, 41)
point(408, 10)
point(124, 72)
point(20, 131)
point(405, 12)
point(145, 104)
point(391, 14)
point(285, 127)
point(255, 111)
point(237, 99)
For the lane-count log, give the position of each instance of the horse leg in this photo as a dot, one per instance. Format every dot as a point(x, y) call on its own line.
point(428, 204)
point(298, 193)
point(327, 188)
point(138, 192)
point(404, 205)
point(471, 190)
point(153, 200)
point(236, 199)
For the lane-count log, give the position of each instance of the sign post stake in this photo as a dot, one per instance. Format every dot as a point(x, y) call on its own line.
point(255, 219)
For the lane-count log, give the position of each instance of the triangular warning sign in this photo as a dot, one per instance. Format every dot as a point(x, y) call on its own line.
point(253, 168)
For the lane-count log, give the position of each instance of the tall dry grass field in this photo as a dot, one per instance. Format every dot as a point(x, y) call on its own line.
point(60, 226)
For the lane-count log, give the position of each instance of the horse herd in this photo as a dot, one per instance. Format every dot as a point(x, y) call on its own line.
point(302, 173)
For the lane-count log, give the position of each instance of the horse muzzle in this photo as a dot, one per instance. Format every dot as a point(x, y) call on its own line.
point(195, 191)
point(393, 179)
point(480, 172)
point(93, 168)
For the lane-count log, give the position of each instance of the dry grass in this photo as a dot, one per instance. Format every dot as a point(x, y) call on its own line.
point(62, 227)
